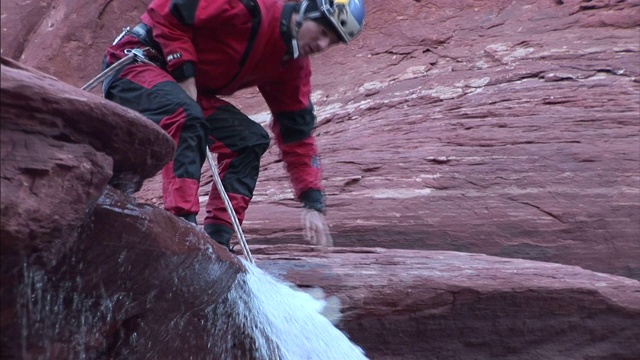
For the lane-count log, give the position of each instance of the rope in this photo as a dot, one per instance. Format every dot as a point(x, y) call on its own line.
point(110, 70)
point(132, 55)
point(227, 204)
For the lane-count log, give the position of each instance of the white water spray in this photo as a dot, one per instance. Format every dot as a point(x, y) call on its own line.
point(285, 324)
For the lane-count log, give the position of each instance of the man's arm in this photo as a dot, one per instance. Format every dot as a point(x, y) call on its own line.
point(293, 124)
point(172, 22)
point(293, 133)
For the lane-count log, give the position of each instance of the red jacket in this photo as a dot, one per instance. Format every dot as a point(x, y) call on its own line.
point(215, 37)
point(229, 48)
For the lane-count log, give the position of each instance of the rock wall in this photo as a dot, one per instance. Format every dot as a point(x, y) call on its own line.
point(497, 127)
point(527, 163)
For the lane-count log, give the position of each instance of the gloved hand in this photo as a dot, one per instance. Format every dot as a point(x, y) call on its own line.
point(315, 228)
point(314, 225)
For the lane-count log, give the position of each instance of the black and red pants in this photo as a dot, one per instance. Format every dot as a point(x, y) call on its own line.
point(238, 141)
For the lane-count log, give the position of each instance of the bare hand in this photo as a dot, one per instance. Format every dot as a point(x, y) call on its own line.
point(315, 228)
point(189, 86)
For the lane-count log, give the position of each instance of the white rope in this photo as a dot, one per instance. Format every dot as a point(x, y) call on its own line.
point(227, 204)
point(132, 55)
point(110, 70)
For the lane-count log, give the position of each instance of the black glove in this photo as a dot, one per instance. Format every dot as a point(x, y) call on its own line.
point(313, 199)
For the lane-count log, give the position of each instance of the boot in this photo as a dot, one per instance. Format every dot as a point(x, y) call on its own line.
point(220, 233)
point(189, 217)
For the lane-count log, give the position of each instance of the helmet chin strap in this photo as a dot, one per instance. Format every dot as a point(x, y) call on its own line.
point(294, 48)
point(298, 25)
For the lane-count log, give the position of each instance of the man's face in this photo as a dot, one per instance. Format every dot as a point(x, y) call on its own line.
point(313, 38)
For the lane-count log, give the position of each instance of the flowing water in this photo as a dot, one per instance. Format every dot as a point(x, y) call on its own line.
point(286, 323)
point(261, 317)
point(55, 320)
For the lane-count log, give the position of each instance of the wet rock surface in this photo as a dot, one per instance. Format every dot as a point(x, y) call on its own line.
point(133, 281)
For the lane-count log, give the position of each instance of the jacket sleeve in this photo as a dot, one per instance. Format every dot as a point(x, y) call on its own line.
point(294, 120)
point(172, 22)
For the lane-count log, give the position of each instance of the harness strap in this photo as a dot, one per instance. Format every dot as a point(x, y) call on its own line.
point(133, 55)
point(110, 70)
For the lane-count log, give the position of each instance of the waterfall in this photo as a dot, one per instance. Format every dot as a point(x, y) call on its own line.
point(260, 317)
point(286, 324)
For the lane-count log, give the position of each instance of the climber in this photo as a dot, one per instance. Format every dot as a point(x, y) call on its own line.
point(196, 52)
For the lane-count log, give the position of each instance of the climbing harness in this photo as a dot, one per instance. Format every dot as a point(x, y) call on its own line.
point(133, 55)
point(138, 55)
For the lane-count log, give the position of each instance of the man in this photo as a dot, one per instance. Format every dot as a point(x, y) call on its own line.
point(199, 50)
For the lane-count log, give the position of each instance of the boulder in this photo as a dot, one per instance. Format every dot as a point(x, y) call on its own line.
point(414, 304)
point(60, 147)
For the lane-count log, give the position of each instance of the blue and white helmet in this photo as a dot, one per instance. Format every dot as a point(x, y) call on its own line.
point(346, 17)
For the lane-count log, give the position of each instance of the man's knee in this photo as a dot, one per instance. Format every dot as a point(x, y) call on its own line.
point(260, 139)
point(193, 111)
point(254, 140)
point(194, 121)
point(237, 132)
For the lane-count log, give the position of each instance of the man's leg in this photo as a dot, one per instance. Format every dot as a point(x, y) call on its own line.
point(240, 143)
point(152, 92)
